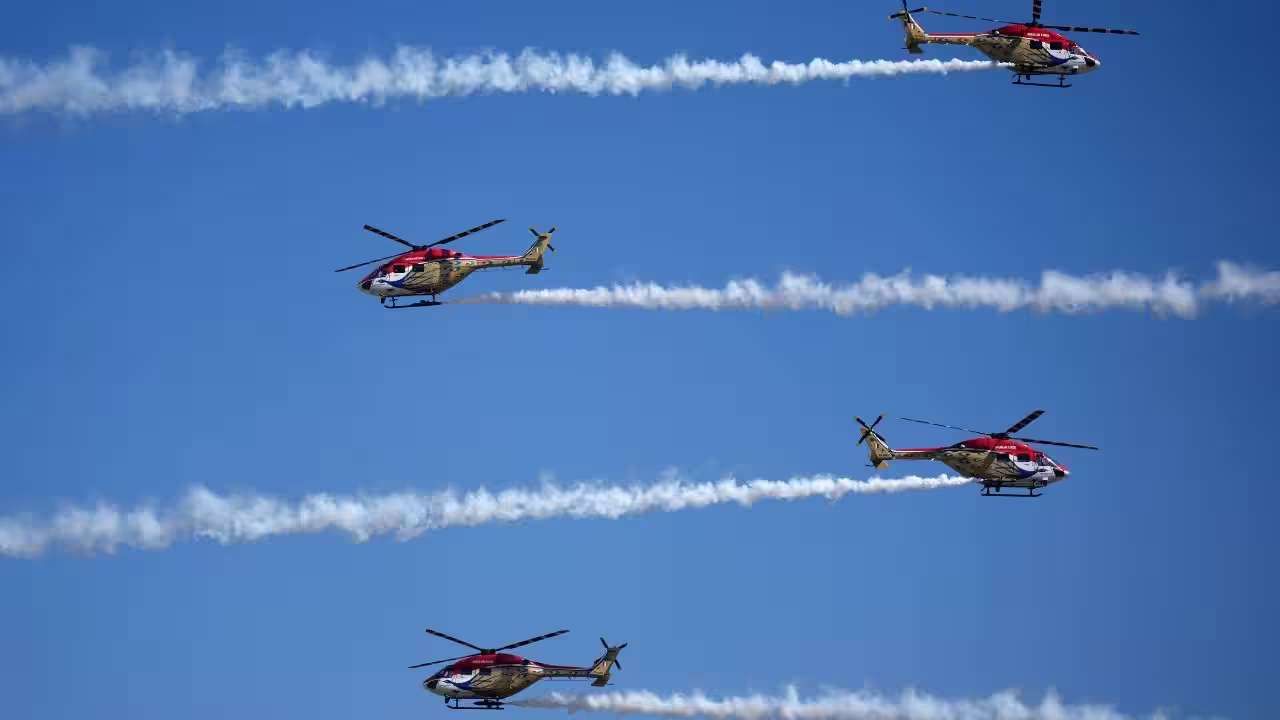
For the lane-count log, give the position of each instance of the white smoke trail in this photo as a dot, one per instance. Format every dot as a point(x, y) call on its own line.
point(174, 82)
point(832, 705)
point(238, 518)
point(1056, 292)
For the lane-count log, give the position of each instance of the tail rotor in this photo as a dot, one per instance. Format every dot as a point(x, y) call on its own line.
point(867, 429)
point(614, 650)
point(546, 235)
point(915, 35)
point(602, 668)
point(878, 449)
point(533, 256)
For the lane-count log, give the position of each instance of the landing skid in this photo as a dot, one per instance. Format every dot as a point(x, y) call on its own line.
point(1026, 80)
point(421, 303)
point(479, 704)
point(987, 492)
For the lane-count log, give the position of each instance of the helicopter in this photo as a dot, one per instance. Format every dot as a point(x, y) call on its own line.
point(430, 269)
point(1028, 49)
point(488, 676)
point(998, 459)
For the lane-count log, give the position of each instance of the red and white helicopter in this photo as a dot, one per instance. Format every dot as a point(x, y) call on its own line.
point(430, 269)
point(998, 459)
point(490, 675)
point(1028, 49)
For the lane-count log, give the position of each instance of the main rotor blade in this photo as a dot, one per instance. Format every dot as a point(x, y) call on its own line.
point(1054, 442)
point(437, 662)
point(1081, 28)
point(465, 233)
point(1024, 422)
point(953, 427)
point(367, 262)
point(1035, 11)
point(389, 236)
point(522, 643)
point(437, 633)
point(971, 17)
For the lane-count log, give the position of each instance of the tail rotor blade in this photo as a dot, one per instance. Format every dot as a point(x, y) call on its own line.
point(867, 430)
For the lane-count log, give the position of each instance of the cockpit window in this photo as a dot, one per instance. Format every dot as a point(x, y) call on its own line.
point(419, 267)
point(397, 268)
point(1023, 457)
point(1055, 46)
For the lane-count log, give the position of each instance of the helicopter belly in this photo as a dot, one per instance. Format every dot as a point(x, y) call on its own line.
point(1032, 57)
point(433, 278)
point(496, 682)
point(999, 468)
point(972, 463)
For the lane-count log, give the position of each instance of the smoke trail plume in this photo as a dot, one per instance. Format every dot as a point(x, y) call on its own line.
point(1056, 292)
point(173, 82)
point(832, 705)
point(239, 518)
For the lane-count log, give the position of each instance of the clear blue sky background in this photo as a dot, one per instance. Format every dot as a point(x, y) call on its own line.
point(170, 318)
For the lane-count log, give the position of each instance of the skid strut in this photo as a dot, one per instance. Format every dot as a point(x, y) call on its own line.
point(1026, 80)
point(421, 303)
point(987, 492)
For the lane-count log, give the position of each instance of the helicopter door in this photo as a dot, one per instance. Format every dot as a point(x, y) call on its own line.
point(1025, 463)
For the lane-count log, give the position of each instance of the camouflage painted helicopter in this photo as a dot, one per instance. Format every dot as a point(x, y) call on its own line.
point(489, 675)
point(430, 269)
point(998, 460)
point(1028, 49)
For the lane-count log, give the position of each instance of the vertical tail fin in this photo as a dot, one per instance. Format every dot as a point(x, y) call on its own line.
point(878, 449)
point(602, 668)
point(916, 36)
point(533, 256)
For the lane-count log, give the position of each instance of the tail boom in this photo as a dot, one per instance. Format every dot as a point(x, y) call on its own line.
point(534, 255)
point(917, 36)
point(880, 453)
point(599, 672)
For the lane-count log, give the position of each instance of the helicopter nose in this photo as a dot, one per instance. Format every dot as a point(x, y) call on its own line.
point(1091, 63)
point(365, 285)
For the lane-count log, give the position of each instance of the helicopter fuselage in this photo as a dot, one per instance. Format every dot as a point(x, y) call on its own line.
point(428, 273)
point(994, 461)
point(485, 676)
point(1026, 49)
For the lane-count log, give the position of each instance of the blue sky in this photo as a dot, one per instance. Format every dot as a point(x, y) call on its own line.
point(172, 319)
